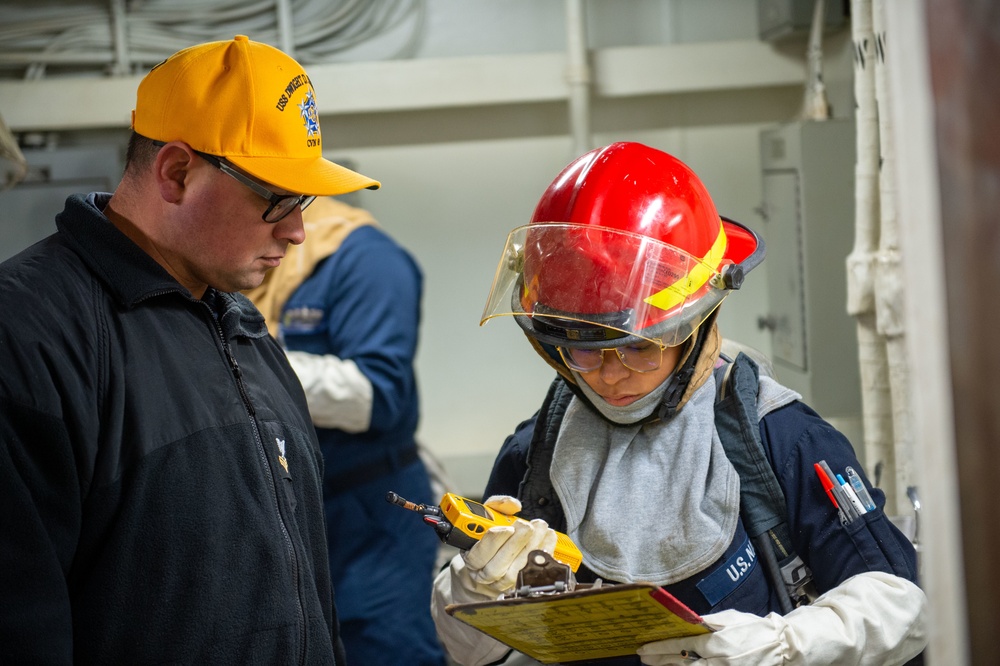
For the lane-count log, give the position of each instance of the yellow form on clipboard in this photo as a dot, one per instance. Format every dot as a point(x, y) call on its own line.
point(608, 621)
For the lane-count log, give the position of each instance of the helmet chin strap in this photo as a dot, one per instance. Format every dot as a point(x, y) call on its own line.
point(693, 370)
point(678, 382)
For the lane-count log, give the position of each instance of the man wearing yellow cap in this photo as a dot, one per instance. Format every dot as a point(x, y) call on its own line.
point(160, 479)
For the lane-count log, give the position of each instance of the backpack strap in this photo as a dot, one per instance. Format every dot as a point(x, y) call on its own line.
point(762, 502)
point(537, 493)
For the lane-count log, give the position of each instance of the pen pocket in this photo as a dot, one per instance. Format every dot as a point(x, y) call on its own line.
point(878, 545)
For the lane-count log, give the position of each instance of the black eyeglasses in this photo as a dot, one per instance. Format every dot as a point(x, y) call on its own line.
point(281, 204)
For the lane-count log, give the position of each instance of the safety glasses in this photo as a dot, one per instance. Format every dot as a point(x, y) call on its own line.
point(640, 357)
point(280, 204)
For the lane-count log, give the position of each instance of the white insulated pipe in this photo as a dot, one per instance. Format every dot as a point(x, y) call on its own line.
point(876, 401)
point(889, 281)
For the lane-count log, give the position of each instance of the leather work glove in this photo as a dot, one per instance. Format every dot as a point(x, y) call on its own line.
point(871, 619)
point(494, 562)
point(483, 573)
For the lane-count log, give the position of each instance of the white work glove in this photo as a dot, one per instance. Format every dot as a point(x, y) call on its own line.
point(483, 573)
point(871, 619)
point(494, 562)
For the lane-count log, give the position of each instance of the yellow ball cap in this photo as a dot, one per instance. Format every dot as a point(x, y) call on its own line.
point(250, 103)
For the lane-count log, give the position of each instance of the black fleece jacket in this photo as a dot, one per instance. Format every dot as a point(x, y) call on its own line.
point(146, 512)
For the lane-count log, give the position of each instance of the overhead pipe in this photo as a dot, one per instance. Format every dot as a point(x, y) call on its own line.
point(578, 78)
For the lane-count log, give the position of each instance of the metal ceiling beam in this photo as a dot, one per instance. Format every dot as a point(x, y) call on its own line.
point(73, 103)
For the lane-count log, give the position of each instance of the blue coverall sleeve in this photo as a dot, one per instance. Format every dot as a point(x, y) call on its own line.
point(372, 291)
point(798, 438)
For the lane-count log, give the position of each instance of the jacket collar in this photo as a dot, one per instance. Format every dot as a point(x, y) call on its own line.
point(132, 276)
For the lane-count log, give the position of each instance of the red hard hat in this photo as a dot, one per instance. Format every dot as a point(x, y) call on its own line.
point(625, 243)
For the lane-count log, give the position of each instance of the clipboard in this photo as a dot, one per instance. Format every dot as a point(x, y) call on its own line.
point(609, 621)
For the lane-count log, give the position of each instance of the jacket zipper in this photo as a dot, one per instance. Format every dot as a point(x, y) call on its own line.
point(252, 413)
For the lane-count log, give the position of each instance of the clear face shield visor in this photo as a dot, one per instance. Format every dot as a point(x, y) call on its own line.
point(592, 287)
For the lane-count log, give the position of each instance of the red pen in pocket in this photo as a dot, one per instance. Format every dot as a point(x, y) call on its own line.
point(826, 482)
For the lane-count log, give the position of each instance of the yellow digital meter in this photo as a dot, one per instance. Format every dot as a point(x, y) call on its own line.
point(461, 522)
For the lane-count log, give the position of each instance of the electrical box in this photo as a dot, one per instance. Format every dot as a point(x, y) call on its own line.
point(28, 210)
point(778, 19)
point(808, 209)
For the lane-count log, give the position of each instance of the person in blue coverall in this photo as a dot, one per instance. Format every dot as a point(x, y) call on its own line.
point(616, 282)
point(346, 306)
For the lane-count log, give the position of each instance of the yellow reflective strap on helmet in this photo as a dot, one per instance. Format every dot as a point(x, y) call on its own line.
point(676, 293)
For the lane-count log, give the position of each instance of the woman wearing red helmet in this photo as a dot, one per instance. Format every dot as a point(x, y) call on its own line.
point(616, 282)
